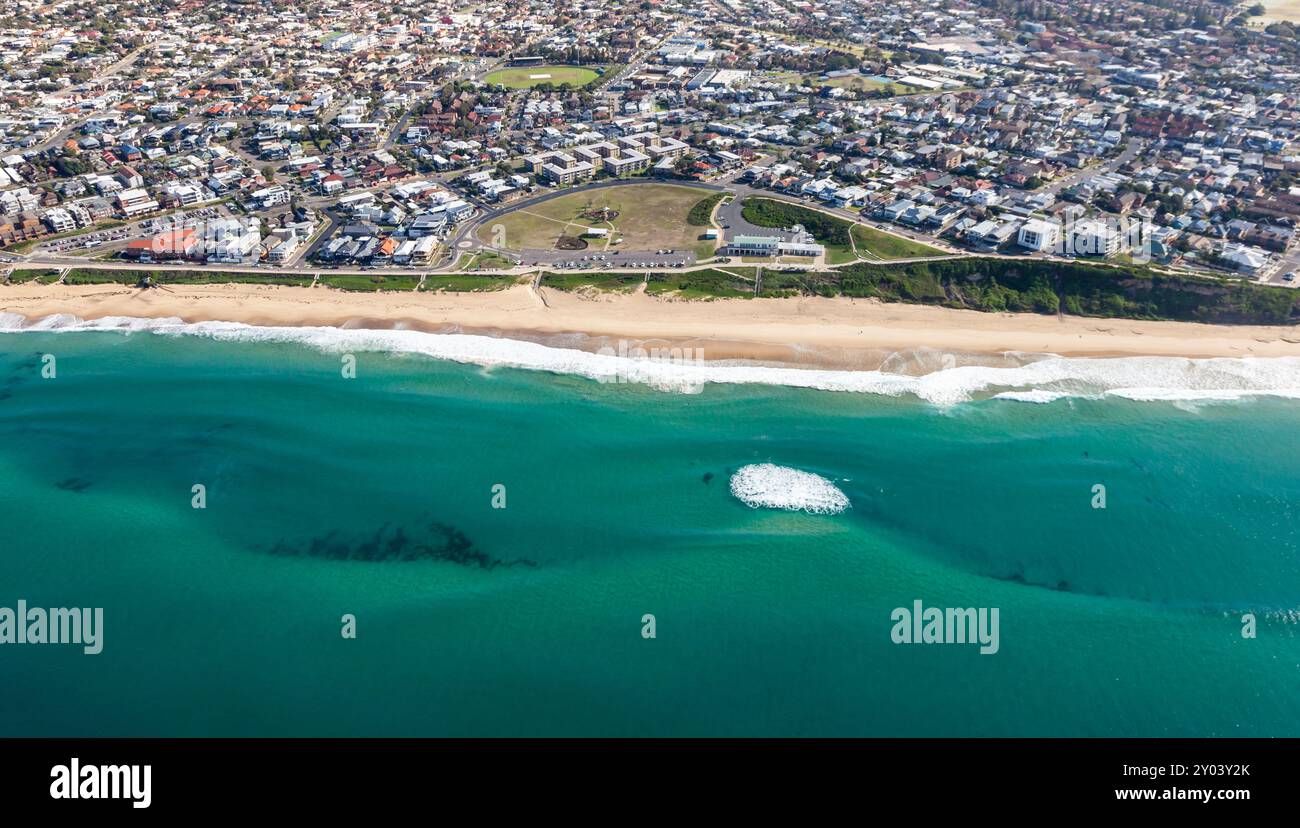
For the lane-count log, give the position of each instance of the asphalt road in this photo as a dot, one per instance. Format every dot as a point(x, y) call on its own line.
point(1064, 182)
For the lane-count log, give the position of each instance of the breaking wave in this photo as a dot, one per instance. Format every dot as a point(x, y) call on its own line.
point(1036, 395)
point(1042, 380)
point(767, 485)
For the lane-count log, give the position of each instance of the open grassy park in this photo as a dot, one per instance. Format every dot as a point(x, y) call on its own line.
point(856, 82)
point(861, 83)
point(845, 241)
point(873, 244)
point(632, 217)
point(526, 77)
point(486, 260)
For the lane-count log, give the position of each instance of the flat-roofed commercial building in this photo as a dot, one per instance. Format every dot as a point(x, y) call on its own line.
point(754, 245)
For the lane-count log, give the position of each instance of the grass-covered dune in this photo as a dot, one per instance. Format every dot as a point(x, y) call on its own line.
point(1076, 288)
point(987, 284)
point(99, 276)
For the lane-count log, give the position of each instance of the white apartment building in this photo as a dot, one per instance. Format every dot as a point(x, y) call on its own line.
point(1039, 235)
point(270, 196)
point(1094, 238)
point(17, 201)
point(232, 240)
point(184, 194)
point(59, 220)
point(280, 252)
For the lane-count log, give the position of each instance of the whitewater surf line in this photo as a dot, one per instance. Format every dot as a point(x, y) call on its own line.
point(1143, 379)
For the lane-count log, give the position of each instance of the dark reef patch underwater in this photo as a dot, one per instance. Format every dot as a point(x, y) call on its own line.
point(435, 541)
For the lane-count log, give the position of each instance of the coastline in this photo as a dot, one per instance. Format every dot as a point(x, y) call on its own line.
point(836, 333)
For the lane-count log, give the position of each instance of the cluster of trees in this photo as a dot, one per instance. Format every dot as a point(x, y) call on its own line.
point(70, 166)
point(766, 212)
point(1284, 29)
point(546, 87)
point(700, 214)
point(579, 55)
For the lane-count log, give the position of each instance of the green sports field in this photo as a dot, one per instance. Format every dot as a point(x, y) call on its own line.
point(526, 77)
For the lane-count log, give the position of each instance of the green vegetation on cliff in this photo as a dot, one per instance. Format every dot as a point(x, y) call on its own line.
point(989, 284)
point(1077, 288)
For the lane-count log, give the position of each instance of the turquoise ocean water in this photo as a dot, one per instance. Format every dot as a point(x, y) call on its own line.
point(373, 496)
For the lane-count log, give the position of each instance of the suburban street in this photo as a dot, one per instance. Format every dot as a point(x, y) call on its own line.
point(1131, 150)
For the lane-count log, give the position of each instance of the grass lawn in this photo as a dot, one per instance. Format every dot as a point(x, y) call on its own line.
point(839, 254)
point(650, 217)
point(857, 83)
point(873, 243)
point(526, 77)
point(862, 83)
point(486, 260)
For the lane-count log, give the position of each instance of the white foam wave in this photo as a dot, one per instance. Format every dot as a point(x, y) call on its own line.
point(1134, 378)
point(778, 487)
point(1198, 394)
point(1036, 395)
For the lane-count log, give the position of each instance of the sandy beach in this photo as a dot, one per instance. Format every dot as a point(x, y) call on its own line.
point(807, 331)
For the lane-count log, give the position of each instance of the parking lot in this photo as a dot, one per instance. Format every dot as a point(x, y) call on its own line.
point(95, 239)
point(180, 221)
point(641, 259)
